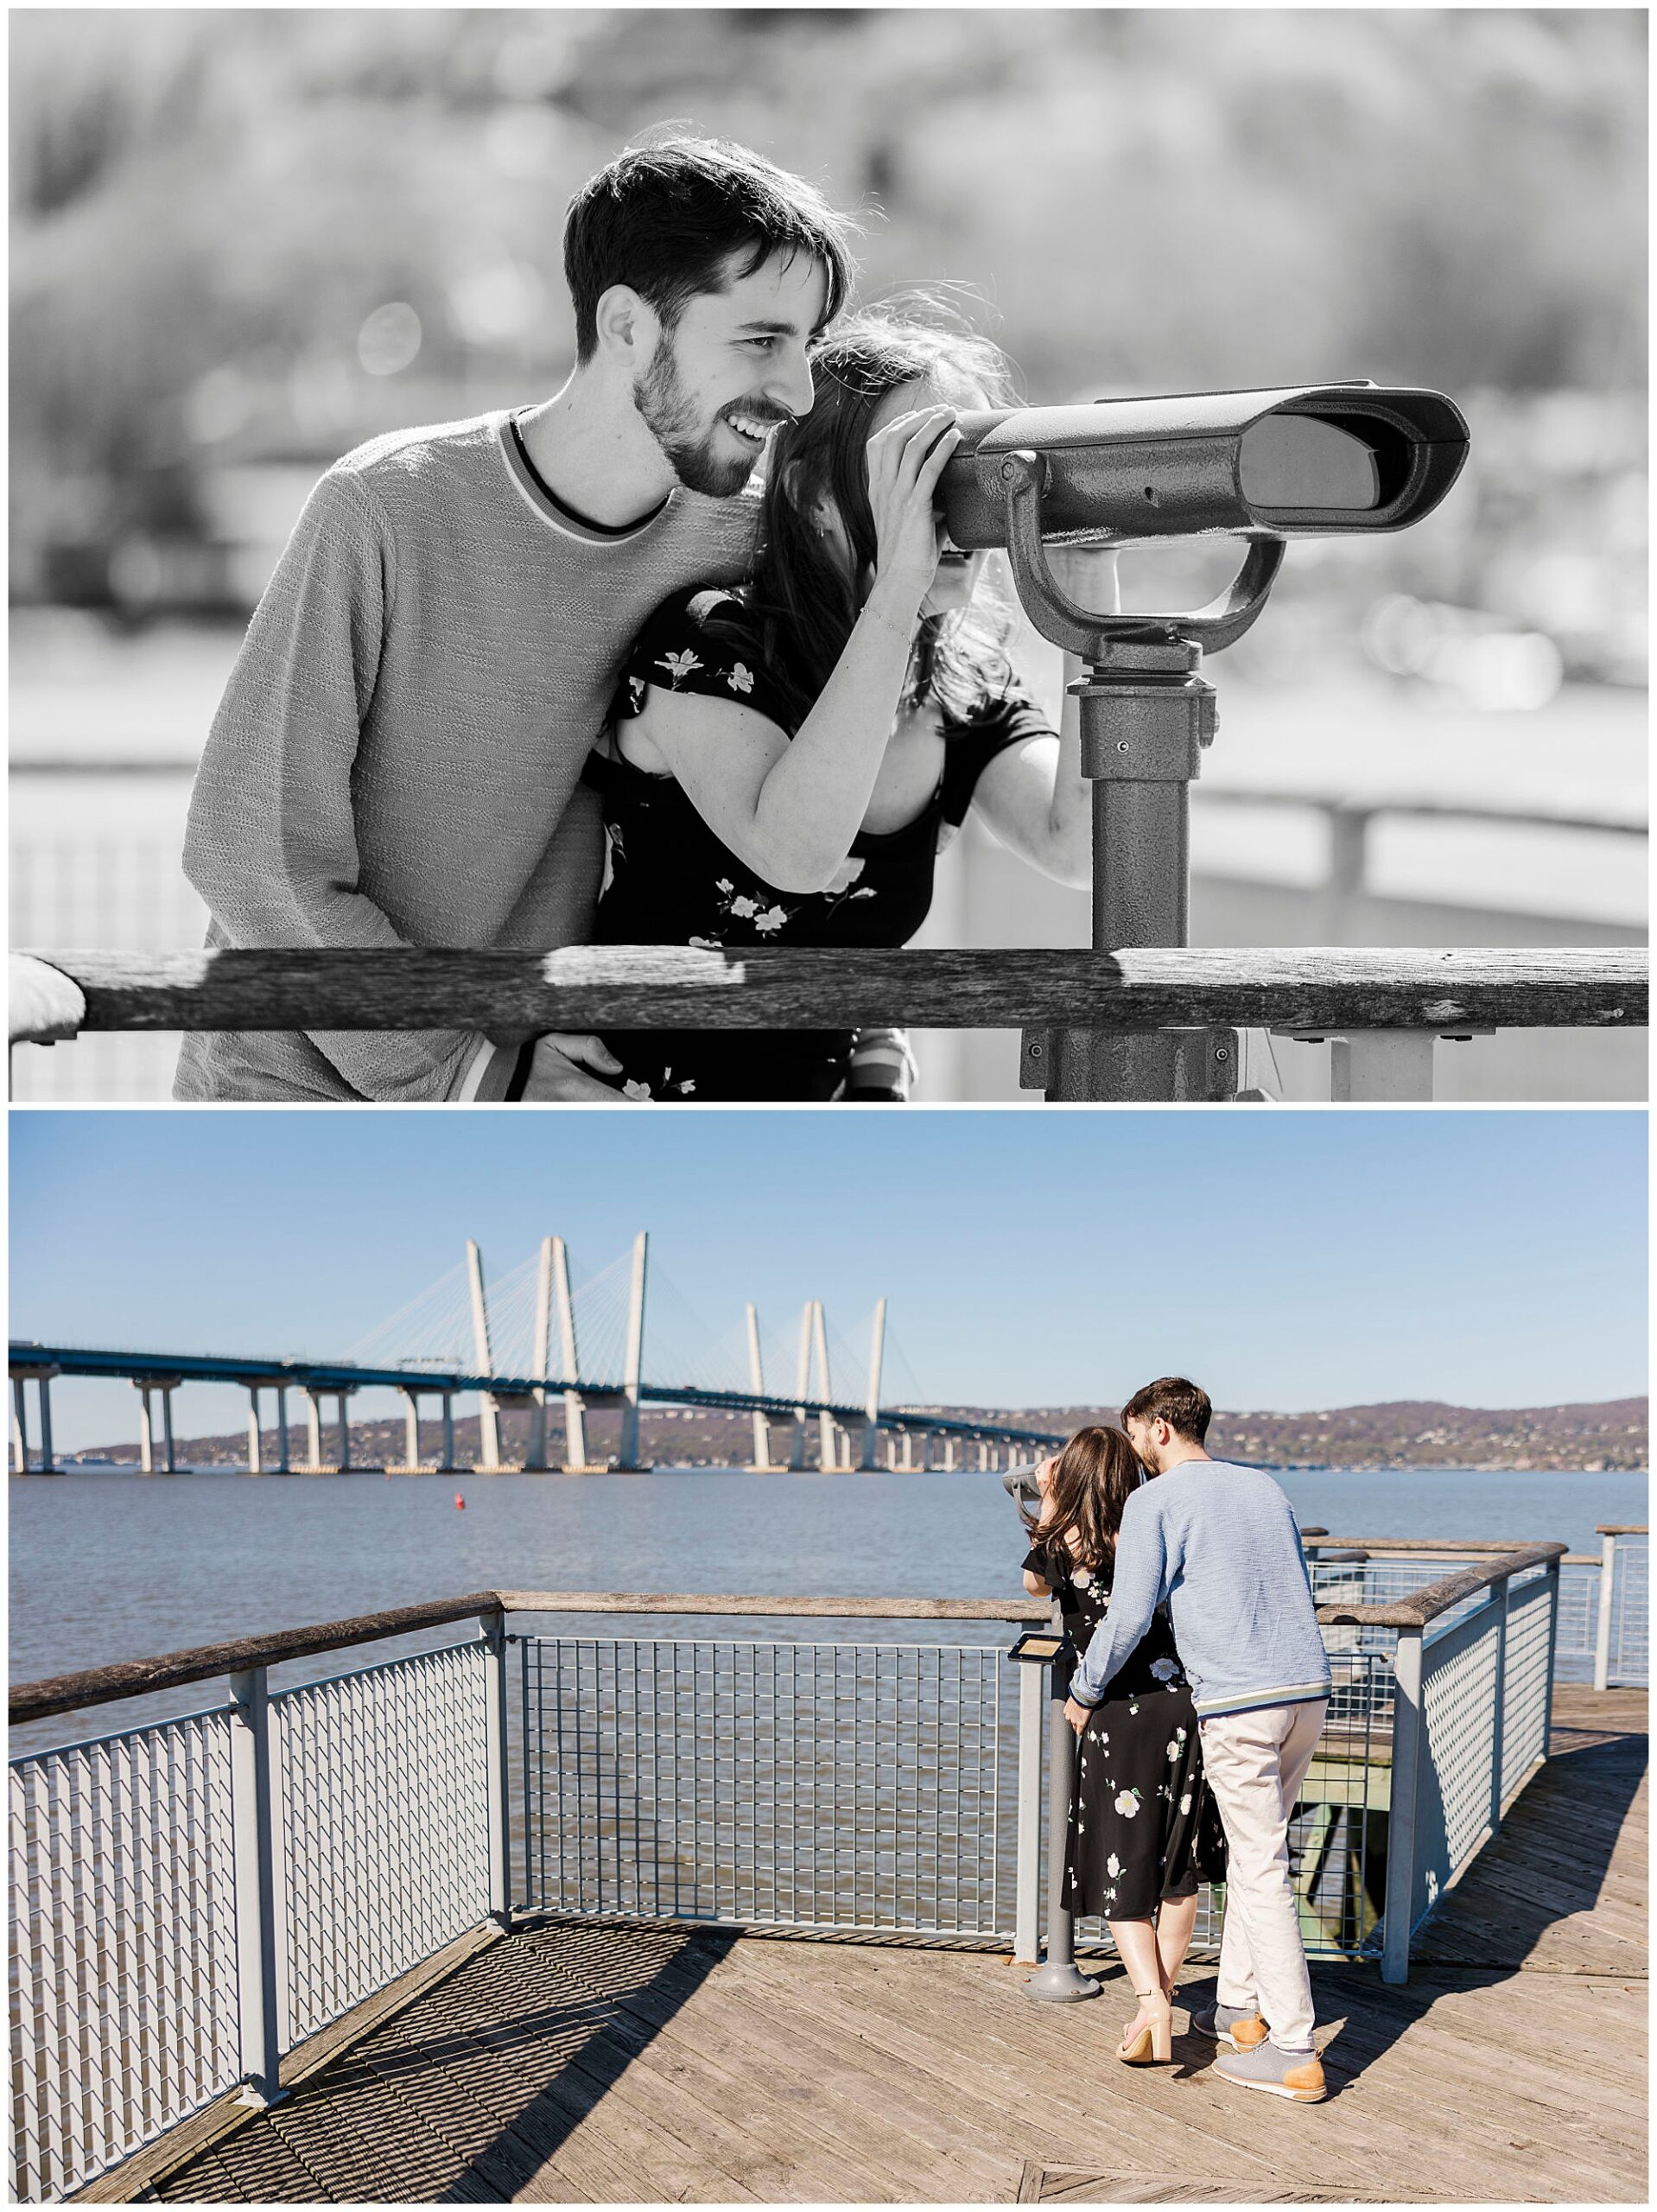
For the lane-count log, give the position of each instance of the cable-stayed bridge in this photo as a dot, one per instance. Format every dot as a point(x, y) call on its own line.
point(534, 1343)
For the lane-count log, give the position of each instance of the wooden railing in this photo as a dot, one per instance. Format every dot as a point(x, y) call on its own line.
point(1408, 997)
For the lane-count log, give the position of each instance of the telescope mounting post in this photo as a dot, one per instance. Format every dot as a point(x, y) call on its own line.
point(1147, 715)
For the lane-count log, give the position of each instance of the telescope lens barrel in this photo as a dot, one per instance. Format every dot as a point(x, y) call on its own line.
point(1310, 461)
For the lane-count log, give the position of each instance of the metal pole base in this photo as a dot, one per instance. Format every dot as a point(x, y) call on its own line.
point(1149, 1064)
point(1058, 1983)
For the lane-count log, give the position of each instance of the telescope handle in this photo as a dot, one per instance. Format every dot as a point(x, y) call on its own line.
point(1078, 630)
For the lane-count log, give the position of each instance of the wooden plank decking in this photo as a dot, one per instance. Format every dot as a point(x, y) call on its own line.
point(569, 2064)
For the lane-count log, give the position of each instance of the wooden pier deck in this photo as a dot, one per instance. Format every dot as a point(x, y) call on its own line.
point(572, 2064)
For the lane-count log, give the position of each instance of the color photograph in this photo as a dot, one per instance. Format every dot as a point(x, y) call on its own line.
point(465, 1610)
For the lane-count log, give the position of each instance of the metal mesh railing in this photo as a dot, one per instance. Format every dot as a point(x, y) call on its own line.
point(384, 1789)
point(1573, 1652)
point(1630, 1657)
point(820, 1788)
point(1453, 1812)
point(123, 1972)
point(1337, 1837)
point(803, 1785)
point(1524, 1685)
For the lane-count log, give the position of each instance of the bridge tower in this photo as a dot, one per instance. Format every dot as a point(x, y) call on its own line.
point(828, 1457)
point(763, 1464)
point(488, 1406)
point(802, 1391)
point(627, 1459)
point(575, 1459)
point(872, 1400)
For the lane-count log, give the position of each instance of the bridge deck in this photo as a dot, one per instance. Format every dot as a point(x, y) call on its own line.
point(581, 2063)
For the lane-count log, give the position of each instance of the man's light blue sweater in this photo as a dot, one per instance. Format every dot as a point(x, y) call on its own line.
point(1218, 1545)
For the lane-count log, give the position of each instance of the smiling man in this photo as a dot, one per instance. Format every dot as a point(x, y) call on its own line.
point(396, 759)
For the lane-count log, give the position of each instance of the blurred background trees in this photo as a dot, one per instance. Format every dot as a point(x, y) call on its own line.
point(244, 240)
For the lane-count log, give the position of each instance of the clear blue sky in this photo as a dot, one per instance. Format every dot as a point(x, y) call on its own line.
point(1285, 1259)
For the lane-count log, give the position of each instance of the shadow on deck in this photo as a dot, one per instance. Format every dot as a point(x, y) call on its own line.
point(580, 2063)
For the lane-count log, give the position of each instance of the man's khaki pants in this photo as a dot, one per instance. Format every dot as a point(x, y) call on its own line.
point(1255, 1764)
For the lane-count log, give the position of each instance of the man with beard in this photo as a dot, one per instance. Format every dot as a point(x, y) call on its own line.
point(397, 759)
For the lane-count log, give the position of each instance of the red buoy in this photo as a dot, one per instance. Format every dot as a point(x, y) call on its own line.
point(459, 1501)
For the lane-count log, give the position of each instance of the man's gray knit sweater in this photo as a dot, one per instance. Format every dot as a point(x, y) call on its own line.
point(396, 760)
point(1218, 1544)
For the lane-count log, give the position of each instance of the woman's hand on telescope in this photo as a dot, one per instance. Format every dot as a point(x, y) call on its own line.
point(906, 459)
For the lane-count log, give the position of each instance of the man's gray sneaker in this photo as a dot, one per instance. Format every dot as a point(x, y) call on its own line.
point(1218, 2021)
point(1296, 2075)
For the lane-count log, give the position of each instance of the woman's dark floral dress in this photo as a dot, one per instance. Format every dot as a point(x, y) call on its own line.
point(1143, 1824)
point(672, 881)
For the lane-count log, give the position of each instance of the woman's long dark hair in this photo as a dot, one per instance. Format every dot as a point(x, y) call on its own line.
point(805, 602)
point(1097, 1473)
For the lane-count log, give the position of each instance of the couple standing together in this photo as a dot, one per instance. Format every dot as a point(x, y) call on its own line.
point(563, 673)
point(1198, 1698)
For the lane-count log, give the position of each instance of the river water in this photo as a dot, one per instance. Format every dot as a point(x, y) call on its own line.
point(108, 1568)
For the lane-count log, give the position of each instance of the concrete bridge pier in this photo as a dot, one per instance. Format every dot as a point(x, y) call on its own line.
point(150, 1386)
point(255, 1441)
point(312, 1429)
point(41, 1378)
point(411, 1428)
point(448, 1433)
point(344, 1397)
point(284, 1464)
point(949, 1455)
point(909, 1451)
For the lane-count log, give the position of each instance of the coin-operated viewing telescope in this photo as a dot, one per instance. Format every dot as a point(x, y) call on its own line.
point(1305, 461)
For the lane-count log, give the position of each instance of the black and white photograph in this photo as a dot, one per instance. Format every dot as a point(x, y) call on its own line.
point(362, 536)
point(828, 1148)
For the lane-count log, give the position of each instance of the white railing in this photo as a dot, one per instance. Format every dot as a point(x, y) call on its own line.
point(193, 1900)
point(124, 1990)
point(1473, 1700)
point(1605, 1613)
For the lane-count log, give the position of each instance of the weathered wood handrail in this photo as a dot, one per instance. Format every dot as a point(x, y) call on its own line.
point(1450, 1547)
point(171, 1669)
point(1423, 1606)
point(143, 1677)
point(771, 987)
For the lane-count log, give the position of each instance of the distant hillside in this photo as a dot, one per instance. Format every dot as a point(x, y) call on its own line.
point(1590, 1440)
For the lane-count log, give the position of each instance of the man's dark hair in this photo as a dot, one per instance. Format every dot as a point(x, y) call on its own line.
point(1185, 1408)
point(666, 218)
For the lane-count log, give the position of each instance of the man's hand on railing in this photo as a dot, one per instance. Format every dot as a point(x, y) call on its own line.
point(558, 1071)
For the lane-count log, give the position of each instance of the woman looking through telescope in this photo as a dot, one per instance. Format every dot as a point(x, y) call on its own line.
point(1144, 1830)
point(783, 763)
